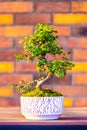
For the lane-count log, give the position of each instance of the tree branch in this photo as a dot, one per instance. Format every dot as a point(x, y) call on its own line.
point(40, 83)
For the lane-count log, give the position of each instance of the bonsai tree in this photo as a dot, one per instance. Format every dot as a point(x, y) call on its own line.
point(36, 47)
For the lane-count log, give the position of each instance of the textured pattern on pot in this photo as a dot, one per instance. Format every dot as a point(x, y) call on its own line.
point(42, 105)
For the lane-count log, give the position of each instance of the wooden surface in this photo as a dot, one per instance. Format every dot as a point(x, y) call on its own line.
point(71, 116)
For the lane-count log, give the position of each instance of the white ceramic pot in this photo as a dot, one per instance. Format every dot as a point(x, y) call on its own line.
point(42, 108)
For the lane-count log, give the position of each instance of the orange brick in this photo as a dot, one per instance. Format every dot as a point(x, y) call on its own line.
point(16, 7)
point(79, 31)
point(6, 42)
point(74, 42)
point(32, 18)
point(6, 67)
point(79, 6)
point(6, 19)
point(9, 55)
point(79, 54)
point(82, 42)
point(63, 41)
point(70, 18)
point(6, 91)
point(80, 102)
point(17, 42)
point(80, 79)
point(8, 79)
point(6, 102)
point(23, 67)
point(72, 91)
point(68, 102)
point(79, 67)
point(63, 30)
point(16, 31)
point(52, 6)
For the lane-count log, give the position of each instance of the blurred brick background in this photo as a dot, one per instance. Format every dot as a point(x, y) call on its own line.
point(18, 19)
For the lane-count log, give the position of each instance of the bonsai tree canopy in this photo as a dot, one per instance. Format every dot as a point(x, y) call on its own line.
point(43, 42)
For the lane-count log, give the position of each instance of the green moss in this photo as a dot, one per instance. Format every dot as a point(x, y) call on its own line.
point(42, 93)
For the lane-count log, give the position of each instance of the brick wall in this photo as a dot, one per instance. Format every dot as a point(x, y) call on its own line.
point(17, 19)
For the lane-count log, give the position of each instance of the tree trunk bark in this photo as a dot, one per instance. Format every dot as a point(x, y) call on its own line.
point(40, 83)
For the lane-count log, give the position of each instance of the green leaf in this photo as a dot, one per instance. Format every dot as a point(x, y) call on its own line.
point(62, 72)
point(57, 66)
point(50, 38)
point(18, 56)
point(52, 69)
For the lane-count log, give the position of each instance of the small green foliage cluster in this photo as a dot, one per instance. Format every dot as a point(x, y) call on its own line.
point(58, 67)
point(36, 47)
point(24, 87)
point(42, 93)
point(28, 89)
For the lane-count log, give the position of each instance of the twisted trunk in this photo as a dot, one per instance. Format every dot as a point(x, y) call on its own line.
point(40, 83)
